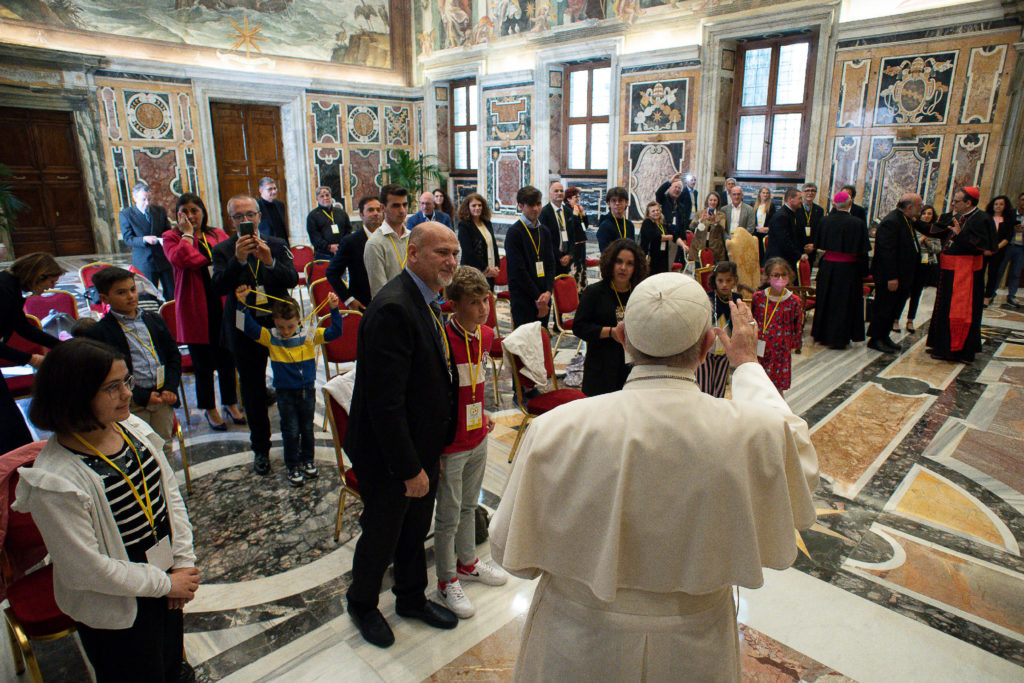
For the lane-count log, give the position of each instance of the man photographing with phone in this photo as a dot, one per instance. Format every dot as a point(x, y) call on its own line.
point(265, 266)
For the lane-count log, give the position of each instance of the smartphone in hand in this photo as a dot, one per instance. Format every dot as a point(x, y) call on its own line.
point(246, 228)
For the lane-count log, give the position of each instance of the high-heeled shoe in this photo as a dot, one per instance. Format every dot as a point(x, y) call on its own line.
point(234, 420)
point(222, 427)
point(910, 327)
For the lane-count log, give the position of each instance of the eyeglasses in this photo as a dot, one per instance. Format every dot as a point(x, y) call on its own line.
point(114, 388)
point(248, 215)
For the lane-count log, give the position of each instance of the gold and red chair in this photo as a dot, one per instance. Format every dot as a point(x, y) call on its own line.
point(315, 270)
point(495, 350)
point(342, 349)
point(338, 419)
point(319, 290)
point(40, 305)
point(302, 255)
point(542, 403)
point(566, 297)
point(85, 274)
point(703, 276)
point(20, 386)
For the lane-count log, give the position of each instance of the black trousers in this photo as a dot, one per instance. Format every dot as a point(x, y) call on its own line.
point(206, 358)
point(163, 279)
point(888, 306)
point(992, 264)
point(394, 528)
point(251, 359)
point(15, 432)
point(525, 311)
point(150, 650)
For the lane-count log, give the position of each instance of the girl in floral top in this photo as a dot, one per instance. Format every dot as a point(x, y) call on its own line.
point(779, 316)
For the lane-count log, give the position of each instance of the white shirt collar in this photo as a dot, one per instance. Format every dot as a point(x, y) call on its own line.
point(386, 229)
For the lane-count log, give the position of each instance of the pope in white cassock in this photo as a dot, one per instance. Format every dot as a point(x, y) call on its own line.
point(640, 509)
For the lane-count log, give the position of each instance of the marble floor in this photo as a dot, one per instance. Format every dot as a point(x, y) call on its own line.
point(912, 572)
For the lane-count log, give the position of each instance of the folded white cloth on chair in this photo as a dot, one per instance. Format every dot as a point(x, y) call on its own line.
point(525, 342)
point(340, 388)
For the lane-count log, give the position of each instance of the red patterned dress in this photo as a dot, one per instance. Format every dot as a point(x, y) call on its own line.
point(779, 325)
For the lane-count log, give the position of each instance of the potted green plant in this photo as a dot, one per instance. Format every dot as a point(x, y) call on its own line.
point(10, 207)
point(413, 173)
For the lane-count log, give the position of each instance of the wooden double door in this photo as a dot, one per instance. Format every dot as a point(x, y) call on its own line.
point(40, 148)
point(247, 142)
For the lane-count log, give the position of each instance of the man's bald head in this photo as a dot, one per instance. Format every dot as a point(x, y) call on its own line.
point(556, 193)
point(433, 254)
point(911, 205)
point(427, 203)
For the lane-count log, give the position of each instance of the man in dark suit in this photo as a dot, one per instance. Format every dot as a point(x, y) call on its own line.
point(810, 216)
point(327, 224)
point(564, 229)
point(530, 260)
point(785, 231)
point(856, 210)
point(356, 294)
point(897, 253)
point(670, 196)
point(428, 212)
point(273, 215)
point(265, 265)
point(142, 224)
point(688, 203)
point(400, 420)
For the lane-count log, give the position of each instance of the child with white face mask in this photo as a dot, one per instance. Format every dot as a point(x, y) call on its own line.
point(779, 316)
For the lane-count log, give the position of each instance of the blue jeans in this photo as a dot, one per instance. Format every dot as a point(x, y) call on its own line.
point(1013, 260)
point(296, 408)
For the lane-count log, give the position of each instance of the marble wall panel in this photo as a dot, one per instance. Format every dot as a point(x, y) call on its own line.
point(418, 107)
point(591, 196)
point(508, 169)
point(853, 93)
point(160, 169)
point(149, 115)
point(363, 124)
point(509, 117)
point(845, 162)
point(984, 72)
point(397, 123)
point(897, 166)
point(444, 152)
point(555, 130)
point(914, 89)
point(325, 118)
point(364, 171)
point(656, 106)
point(650, 165)
point(968, 164)
point(462, 188)
point(329, 163)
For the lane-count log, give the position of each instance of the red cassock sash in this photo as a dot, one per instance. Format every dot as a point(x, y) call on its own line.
point(961, 298)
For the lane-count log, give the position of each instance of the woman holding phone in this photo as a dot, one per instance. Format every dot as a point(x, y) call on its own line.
point(199, 311)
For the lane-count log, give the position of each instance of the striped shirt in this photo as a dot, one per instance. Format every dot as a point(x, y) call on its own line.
point(131, 521)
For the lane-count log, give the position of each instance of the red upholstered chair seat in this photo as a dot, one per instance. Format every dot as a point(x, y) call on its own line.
point(503, 294)
point(809, 302)
point(21, 385)
point(32, 602)
point(350, 479)
point(593, 262)
point(495, 350)
point(186, 363)
point(676, 267)
point(551, 400)
point(567, 323)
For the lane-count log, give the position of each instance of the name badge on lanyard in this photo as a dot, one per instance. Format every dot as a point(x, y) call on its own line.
point(563, 234)
point(261, 296)
point(540, 269)
point(160, 377)
point(334, 228)
point(760, 348)
point(160, 554)
point(310, 334)
point(474, 416)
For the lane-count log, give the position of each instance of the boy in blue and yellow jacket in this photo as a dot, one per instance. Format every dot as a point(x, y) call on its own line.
point(293, 361)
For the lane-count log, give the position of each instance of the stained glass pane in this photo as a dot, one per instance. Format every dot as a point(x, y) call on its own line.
point(459, 106)
point(602, 91)
point(785, 142)
point(474, 148)
point(750, 143)
point(578, 146)
point(756, 67)
point(578, 93)
point(599, 146)
point(473, 105)
point(460, 150)
point(792, 72)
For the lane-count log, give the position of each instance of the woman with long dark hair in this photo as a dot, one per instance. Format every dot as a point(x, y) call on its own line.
point(476, 237)
point(442, 202)
point(1005, 218)
point(200, 311)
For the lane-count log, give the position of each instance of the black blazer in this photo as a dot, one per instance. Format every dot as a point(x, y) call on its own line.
point(350, 258)
point(672, 209)
point(573, 231)
point(134, 227)
point(687, 208)
point(858, 211)
point(320, 229)
point(523, 282)
point(604, 366)
point(474, 246)
point(897, 250)
point(12, 319)
point(785, 236)
point(228, 274)
point(273, 219)
point(817, 214)
point(403, 404)
point(110, 333)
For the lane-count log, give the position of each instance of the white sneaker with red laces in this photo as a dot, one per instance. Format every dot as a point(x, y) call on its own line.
point(486, 574)
point(456, 599)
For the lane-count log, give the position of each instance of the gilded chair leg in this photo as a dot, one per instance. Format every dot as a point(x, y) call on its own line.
point(33, 664)
point(23, 649)
point(184, 461)
point(19, 660)
point(558, 340)
point(341, 509)
point(578, 347)
point(184, 403)
point(522, 428)
point(494, 385)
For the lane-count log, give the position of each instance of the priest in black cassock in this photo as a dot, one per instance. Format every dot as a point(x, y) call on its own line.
point(897, 254)
point(839, 310)
point(326, 225)
point(955, 330)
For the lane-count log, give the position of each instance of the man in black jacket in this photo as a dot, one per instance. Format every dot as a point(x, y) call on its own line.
point(400, 420)
point(810, 216)
point(531, 262)
point(670, 196)
point(355, 294)
point(326, 225)
point(897, 253)
point(856, 210)
point(149, 349)
point(786, 232)
point(142, 224)
point(564, 229)
point(839, 311)
point(265, 265)
point(273, 215)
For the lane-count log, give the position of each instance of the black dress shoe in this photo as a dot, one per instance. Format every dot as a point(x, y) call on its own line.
point(374, 628)
point(893, 347)
point(431, 614)
point(881, 345)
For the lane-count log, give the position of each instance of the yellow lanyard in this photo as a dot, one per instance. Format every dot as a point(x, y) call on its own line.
point(662, 228)
point(394, 245)
point(147, 506)
point(444, 336)
point(150, 346)
point(329, 216)
point(622, 230)
point(536, 247)
point(206, 245)
point(807, 216)
point(617, 298)
point(561, 221)
point(474, 369)
point(768, 320)
point(255, 273)
point(913, 234)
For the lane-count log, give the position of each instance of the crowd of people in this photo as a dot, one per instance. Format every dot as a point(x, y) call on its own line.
point(417, 426)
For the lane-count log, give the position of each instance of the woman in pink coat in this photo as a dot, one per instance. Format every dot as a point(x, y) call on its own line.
point(189, 248)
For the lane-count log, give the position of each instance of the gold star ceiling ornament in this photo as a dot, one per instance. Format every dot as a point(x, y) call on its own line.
point(246, 36)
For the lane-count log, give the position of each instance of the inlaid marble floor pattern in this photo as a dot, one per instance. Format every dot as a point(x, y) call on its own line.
point(913, 571)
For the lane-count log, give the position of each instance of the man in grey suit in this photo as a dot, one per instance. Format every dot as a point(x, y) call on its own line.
point(142, 224)
point(737, 214)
